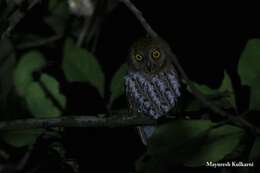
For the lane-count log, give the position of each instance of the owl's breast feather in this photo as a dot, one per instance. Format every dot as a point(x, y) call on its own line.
point(153, 96)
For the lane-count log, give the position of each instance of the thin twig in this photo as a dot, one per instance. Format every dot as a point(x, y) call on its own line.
point(16, 17)
point(140, 17)
point(90, 25)
point(95, 23)
point(33, 3)
point(195, 91)
point(95, 41)
point(83, 32)
point(24, 159)
point(39, 42)
point(77, 121)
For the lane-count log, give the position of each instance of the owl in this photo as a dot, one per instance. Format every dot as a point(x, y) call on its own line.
point(151, 83)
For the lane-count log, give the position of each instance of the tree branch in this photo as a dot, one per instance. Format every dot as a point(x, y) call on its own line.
point(77, 121)
point(236, 119)
point(16, 17)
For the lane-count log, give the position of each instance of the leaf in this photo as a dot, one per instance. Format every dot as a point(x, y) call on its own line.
point(6, 48)
point(37, 101)
point(193, 105)
point(219, 143)
point(28, 63)
point(56, 24)
point(53, 87)
point(60, 9)
point(222, 97)
point(204, 89)
point(255, 94)
point(117, 83)
point(226, 86)
point(81, 66)
point(191, 143)
point(59, 15)
point(39, 104)
point(20, 138)
point(7, 64)
point(6, 77)
point(255, 151)
point(52, 4)
point(249, 71)
point(249, 62)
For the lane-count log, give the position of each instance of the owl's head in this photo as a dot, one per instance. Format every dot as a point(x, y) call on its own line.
point(147, 55)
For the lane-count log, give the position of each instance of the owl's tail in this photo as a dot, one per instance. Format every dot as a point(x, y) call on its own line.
point(145, 132)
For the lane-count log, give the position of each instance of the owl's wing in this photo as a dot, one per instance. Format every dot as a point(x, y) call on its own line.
point(144, 131)
point(132, 110)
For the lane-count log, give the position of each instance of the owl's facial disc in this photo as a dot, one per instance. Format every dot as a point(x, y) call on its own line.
point(148, 56)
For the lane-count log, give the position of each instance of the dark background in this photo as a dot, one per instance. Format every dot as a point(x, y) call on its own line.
point(208, 38)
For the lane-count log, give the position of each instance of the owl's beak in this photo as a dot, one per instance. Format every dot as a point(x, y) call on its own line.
point(149, 67)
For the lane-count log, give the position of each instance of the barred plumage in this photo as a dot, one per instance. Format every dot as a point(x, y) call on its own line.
point(153, 97)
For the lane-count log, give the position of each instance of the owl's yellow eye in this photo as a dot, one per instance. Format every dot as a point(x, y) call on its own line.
point(138, 57)
point(156, 54)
